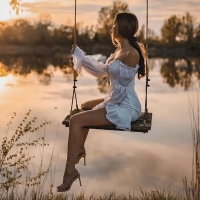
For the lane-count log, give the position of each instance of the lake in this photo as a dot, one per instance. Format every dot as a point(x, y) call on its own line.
point(116, 160)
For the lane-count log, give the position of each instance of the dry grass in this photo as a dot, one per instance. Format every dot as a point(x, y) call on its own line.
point(192, 189)
point(15, 160)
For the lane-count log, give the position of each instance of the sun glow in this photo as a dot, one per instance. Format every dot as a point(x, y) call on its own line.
point(6, 11)
point(5, 77)
point(5, 81)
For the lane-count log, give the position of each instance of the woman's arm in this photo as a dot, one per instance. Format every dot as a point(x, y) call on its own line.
point(88, 63)
point(88, 105)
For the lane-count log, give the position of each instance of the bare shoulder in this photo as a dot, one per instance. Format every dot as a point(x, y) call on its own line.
point(132, 57)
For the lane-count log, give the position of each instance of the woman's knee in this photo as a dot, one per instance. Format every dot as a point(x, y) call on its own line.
point(75, 119)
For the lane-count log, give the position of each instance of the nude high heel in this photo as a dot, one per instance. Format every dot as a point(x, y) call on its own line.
point(68, 181)
point(81, 156)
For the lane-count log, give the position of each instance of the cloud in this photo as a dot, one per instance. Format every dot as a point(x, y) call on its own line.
point(87, 10)
point(45, 7)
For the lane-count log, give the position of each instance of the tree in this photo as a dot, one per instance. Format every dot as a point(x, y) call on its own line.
point(105, 20)
point(187, 28)
point(85, 34)
point(171, 29)
point(197, 35)
point(179, 29)
point(23, 32)
point(63, 35)
point(8, 36)
point(141, 34)
point(42, 30)
point(2, 28)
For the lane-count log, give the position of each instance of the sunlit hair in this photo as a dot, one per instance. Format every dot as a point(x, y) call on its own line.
point(127, 28)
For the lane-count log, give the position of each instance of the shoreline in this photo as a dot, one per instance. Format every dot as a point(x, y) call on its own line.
point(64, 52)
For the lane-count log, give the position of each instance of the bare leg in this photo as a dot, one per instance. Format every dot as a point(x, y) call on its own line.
point(82, 147)
point(88, 105)
point(79, 121)
point(75, 139)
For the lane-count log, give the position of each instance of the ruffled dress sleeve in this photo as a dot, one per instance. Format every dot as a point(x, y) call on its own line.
point(89, 64)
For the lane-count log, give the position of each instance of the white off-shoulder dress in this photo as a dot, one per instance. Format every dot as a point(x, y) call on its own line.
point(121, 102)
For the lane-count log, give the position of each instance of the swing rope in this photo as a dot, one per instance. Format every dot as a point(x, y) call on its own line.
point(147, 69)
point(74, 72)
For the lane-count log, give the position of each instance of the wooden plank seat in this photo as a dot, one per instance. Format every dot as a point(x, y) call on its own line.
point(143, 124)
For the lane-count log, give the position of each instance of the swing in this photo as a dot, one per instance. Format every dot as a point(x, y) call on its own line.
point(143, 124)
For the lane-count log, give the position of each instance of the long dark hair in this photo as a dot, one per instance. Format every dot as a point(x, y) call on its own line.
point(127, 28)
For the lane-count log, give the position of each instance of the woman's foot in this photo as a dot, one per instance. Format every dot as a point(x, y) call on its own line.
point(69, 177)
point(70, 174)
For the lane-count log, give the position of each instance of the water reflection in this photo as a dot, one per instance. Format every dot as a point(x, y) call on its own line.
point(103, 84)
point(180, 72)
point(175, 72)
point(44, 67)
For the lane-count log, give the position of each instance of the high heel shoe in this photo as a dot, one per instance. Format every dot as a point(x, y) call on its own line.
point(80, 156)
point(66, 185)
point(67, 179)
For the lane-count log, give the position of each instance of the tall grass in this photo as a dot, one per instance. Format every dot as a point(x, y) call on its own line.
point(192, 189)
point(15, 161)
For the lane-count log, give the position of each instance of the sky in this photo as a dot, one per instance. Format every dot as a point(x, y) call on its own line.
point(62, 11)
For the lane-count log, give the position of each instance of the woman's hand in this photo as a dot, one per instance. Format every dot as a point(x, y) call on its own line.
point(73, 48)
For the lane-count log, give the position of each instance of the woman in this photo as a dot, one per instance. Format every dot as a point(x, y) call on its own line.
point(121, 105)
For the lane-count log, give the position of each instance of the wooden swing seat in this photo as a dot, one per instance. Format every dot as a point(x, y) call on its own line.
point(143, 124)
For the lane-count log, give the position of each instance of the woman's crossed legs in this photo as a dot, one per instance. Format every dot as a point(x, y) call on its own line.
point(76, 140)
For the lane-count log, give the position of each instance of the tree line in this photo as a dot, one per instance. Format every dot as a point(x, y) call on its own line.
point(177, 31)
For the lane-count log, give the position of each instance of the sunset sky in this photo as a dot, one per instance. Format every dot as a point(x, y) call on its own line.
point(62, 11)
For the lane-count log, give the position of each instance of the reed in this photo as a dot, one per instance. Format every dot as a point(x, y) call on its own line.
point(15, 160)
point(192, 189)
